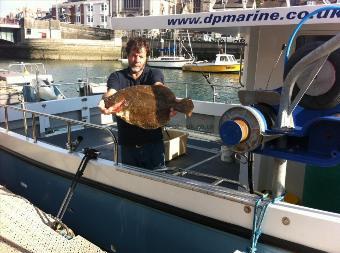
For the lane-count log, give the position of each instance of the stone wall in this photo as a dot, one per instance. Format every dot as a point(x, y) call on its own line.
point(71, 31)
point(63, 50)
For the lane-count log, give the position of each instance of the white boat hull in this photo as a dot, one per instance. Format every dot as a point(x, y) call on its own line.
point(159, 63)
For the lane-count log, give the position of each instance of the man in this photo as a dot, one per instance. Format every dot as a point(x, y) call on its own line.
point(139, 147)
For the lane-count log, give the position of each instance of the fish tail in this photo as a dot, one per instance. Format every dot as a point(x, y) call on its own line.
point(185, 105)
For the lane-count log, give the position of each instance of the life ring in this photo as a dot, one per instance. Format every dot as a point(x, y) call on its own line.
point(324, 92)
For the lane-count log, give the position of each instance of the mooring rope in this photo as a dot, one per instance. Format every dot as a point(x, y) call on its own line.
point(260, 209)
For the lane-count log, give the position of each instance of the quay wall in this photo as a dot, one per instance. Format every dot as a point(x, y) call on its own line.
point(63, 49)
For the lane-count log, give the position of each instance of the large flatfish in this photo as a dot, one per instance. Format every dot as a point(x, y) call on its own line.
point(148, 106)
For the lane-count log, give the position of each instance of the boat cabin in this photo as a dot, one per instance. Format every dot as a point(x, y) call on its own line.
point(225, 58)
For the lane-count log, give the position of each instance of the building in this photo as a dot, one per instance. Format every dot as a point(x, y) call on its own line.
point(93, 13)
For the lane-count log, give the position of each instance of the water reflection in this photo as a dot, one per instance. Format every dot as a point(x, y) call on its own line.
point(183, 84)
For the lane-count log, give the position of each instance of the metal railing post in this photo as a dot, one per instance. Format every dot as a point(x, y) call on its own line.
point(69, 141)
point(6, 119)
point(34, 133)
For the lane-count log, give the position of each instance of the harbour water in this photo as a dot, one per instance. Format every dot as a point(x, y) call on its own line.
point(183, 84)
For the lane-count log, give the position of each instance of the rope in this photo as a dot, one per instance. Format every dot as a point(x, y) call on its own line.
point(260, 209)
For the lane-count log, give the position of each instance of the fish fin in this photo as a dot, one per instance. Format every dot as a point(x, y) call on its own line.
point(184, 105)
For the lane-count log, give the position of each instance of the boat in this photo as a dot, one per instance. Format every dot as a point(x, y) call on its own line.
point(224, 63)
point(224, 192)
point(124, 61)
point(30, 80)
point(176, 62)
point(171, 60)
point(22, 73)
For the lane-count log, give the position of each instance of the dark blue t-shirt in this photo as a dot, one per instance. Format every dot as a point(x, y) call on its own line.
point(129, 134)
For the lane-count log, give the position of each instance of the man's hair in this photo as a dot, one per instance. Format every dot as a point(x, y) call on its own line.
point(136, 44)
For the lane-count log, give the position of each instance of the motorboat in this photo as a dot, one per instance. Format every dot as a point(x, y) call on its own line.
point(22, 73)
point(224, 63)
point(169, 58)
point(124, 61)
point(30, 82)
point(254, 177)
point(169, 62)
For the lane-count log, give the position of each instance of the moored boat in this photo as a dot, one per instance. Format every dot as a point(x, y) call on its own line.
point(31, 80)
point(169, 62)
point(224, 63)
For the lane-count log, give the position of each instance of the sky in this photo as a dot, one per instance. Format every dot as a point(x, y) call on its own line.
point(7, 6)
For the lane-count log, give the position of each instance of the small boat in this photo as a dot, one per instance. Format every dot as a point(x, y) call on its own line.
point(124, 61)
point(23, 73)
point(169, 62)
point(223, 63)
point(173, 59)
point(30, 80)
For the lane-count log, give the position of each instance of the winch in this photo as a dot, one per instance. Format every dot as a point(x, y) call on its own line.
point(281, 123)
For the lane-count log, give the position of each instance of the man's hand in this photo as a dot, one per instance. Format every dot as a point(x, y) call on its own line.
point(111, 110)
point(101, 105)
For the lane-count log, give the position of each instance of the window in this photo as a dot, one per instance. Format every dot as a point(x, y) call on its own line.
point(88, 19)
point(105, 18)
point(103, 7)
point(28, 31)
point(102, 19)
point(132, 4)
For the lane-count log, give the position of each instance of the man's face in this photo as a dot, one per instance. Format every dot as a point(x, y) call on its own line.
point(137, 60)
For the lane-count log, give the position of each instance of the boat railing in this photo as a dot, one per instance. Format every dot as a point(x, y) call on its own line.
point(220, 89)
point(23, 67)
point(69, 122)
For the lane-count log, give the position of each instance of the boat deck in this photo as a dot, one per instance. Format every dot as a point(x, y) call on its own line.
point(25, 228)
point(202, 160)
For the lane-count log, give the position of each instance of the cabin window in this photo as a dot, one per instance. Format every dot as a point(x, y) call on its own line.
point(223, 58)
